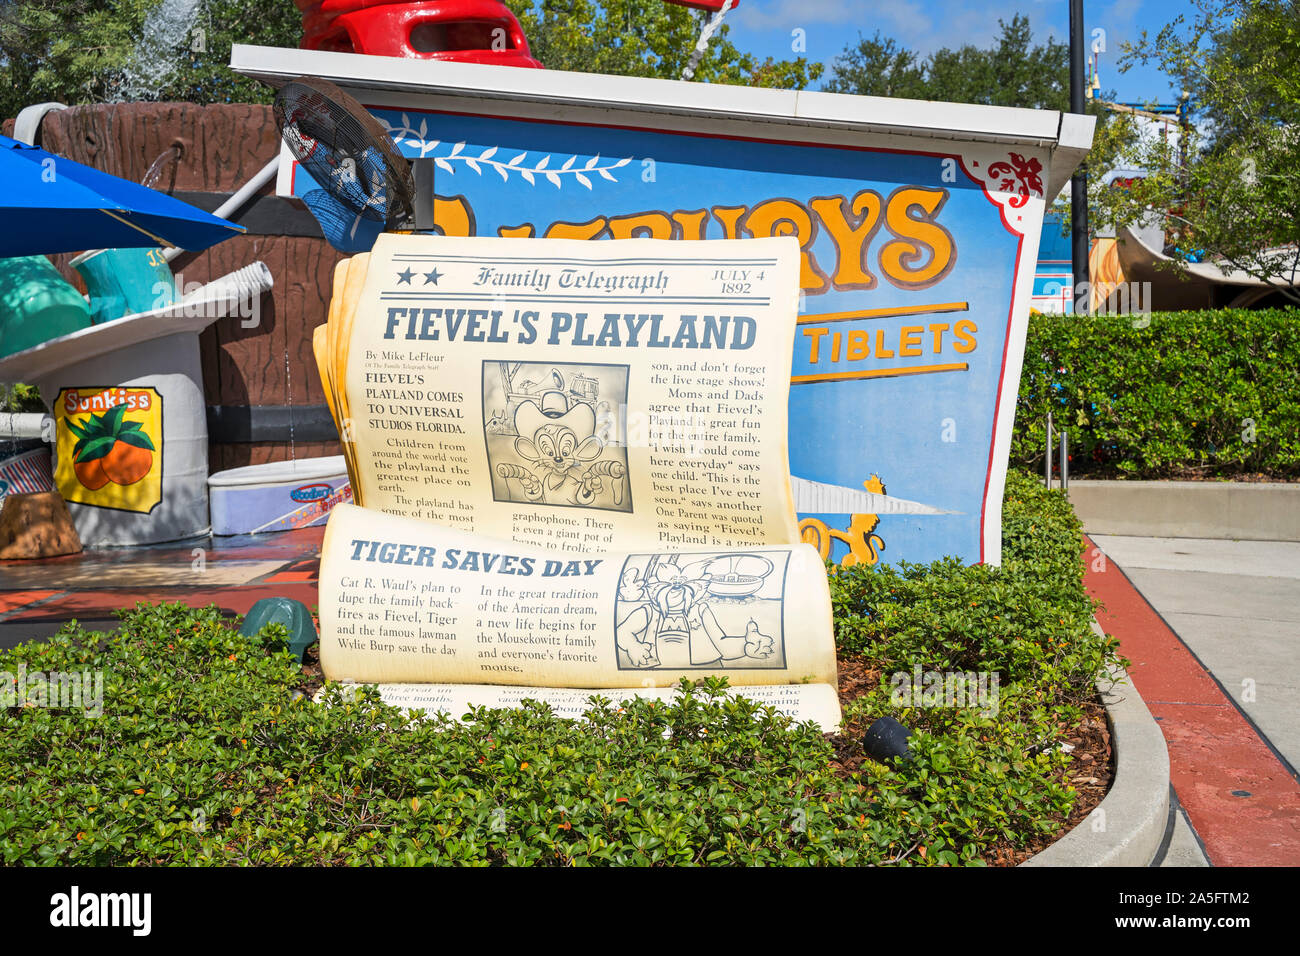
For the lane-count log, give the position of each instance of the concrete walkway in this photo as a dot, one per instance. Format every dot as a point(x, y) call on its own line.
point(1213, 630)
point(1236, 605)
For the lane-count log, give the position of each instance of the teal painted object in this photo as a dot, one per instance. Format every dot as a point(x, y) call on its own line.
point(294, 615)
point(36, 304)
point(125, 282)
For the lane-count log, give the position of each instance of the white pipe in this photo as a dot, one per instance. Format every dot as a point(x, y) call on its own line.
point(229, 291)
point(27, 126)
point(263, 176)
point(246, 283)
point(25, 425)
point(241, 196)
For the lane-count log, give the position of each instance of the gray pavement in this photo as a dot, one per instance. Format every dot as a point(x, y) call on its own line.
point(1184, 847)
point(1236, 604)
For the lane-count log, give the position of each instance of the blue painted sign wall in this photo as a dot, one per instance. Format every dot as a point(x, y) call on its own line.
point(912, 263)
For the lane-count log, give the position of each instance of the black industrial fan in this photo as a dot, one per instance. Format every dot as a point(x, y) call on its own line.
point(350, 156)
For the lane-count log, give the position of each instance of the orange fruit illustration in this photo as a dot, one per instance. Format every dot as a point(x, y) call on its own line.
point(91, 473)
point(109, 448)
point(126, 464)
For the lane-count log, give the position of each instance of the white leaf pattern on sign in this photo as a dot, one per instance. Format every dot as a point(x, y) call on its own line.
point(415, 140)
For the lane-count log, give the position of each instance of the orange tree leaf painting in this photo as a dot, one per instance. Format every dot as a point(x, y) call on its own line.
point(110, 448)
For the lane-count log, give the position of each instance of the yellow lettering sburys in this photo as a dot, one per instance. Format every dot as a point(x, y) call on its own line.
point(915, 250)
point(109, 446)
point(897, 237)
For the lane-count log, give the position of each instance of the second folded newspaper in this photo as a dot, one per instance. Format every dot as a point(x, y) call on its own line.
point(403, 600)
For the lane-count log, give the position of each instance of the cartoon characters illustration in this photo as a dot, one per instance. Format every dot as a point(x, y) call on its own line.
point(705, 613)
point(556, 442)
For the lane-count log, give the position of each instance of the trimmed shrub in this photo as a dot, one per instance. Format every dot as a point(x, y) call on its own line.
point(1191, 394)
point(205, 752)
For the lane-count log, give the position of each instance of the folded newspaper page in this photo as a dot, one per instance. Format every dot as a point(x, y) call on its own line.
point(405, 600)
point(569, 394)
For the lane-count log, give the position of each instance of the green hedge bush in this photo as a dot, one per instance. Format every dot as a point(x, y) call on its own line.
point(206, 754)
point(1174, 398)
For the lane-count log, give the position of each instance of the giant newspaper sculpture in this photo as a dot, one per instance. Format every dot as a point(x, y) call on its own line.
point(571, 472)
point(915, 227)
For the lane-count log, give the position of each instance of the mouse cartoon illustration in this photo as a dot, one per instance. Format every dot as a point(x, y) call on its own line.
point(561, 446)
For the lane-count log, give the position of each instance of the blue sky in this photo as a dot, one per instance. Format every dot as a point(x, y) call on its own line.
point(764, 27)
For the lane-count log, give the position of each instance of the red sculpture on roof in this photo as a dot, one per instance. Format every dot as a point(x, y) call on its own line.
point(464, 31)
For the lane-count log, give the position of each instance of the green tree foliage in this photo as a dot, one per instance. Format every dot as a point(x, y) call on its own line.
point(62, 50)
point(1231, 192)
point(879, 67)
point(76, 51)
point(645, 38)
point(1014, 71)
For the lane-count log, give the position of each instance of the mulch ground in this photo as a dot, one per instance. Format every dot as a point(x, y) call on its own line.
point(1090, 771)
point(313, 678)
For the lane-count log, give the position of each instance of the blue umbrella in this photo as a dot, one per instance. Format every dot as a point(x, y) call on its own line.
point(50, 204)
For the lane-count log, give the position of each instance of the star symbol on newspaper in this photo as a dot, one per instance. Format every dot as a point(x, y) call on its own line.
point(433, 276)
point(405, 276)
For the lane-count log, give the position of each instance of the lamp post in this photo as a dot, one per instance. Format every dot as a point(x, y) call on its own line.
point(1079, 182)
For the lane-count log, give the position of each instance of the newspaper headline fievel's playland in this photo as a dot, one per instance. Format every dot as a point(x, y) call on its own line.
point(572, 394)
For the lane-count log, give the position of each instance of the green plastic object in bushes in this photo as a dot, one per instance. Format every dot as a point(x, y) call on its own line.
point(294, 615)
point(36, 304)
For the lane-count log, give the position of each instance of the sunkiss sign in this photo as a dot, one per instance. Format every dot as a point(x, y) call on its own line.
point(915, 267)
